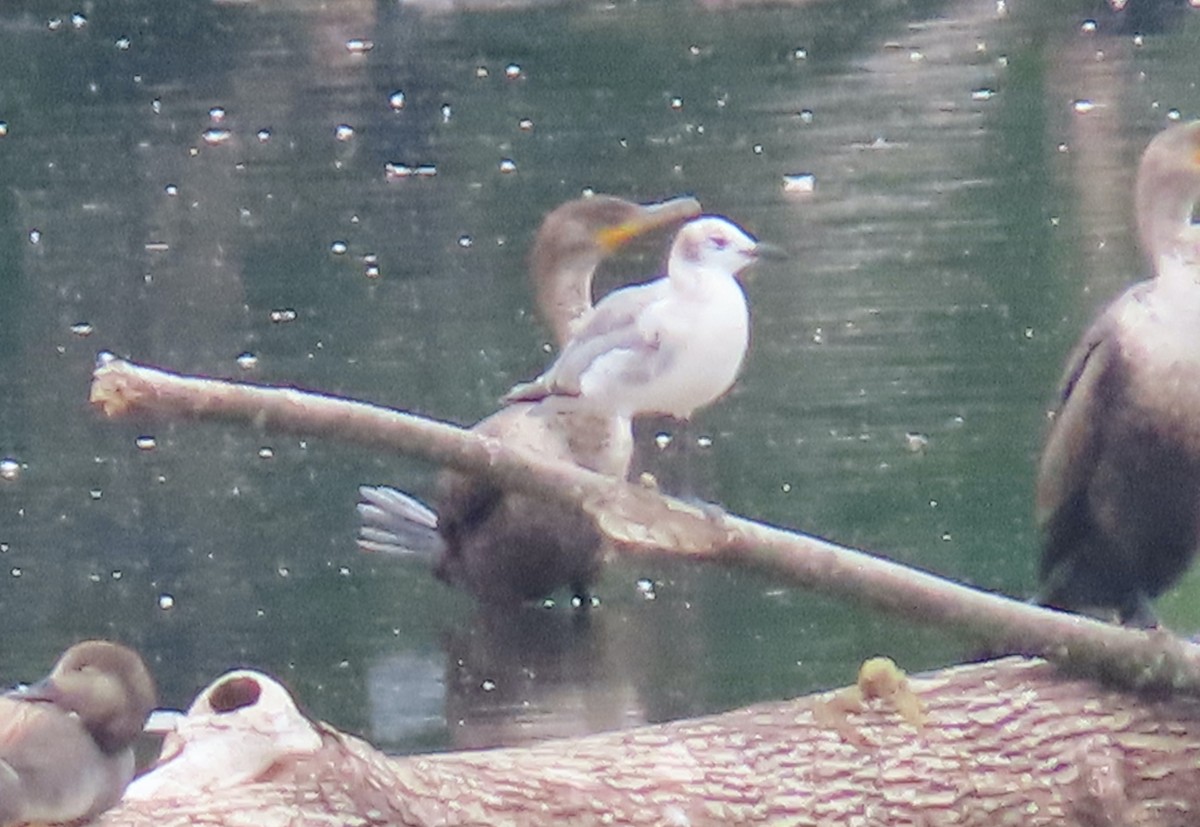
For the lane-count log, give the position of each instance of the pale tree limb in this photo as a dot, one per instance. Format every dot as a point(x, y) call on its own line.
point(1008, 742)
point(637, 519)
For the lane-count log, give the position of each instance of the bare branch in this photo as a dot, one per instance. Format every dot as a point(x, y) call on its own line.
point(638, 520)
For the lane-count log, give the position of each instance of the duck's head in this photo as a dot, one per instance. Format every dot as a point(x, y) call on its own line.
point(575, 237)
point(106, 685)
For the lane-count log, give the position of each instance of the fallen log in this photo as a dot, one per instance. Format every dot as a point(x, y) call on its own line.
point(1004, 742)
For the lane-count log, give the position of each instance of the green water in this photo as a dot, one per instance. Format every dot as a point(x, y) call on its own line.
point(173, 176)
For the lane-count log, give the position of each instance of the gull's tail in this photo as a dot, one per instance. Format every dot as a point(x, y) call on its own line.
point(395, 523)
point(533, 391)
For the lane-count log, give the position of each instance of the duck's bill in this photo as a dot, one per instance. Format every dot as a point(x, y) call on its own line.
point(43, 690)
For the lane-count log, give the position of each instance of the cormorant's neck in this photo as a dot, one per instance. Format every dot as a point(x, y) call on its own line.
point(564, 294)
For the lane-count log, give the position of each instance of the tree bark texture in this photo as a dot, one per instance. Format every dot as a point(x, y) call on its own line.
point(1009, 742)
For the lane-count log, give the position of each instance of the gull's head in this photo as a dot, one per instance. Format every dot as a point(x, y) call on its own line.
point(713, 243)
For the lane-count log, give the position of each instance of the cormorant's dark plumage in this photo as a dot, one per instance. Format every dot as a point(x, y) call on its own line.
point(1118, 494)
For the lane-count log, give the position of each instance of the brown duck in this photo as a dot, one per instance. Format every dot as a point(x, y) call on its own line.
point(65, 741)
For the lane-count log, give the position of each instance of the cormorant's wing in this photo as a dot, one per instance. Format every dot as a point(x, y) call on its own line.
point(1069, 457)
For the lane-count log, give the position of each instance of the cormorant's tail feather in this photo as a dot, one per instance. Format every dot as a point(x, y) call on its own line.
point(395, 523)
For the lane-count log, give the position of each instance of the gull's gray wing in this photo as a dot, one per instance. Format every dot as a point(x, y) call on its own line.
point(613, 325)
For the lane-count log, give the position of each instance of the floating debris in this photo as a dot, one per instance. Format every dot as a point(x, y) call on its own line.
point(10, 469)
point(216, 137)
point(799, 183)
point(395, 172)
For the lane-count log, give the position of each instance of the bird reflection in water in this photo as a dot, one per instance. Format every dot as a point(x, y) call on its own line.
point(537, 676)
point(508, 678)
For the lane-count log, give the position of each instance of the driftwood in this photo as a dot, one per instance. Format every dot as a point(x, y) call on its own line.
point(638, 520)
point(1007, 742)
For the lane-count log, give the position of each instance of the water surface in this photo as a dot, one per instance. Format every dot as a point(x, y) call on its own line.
point(188, 183)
